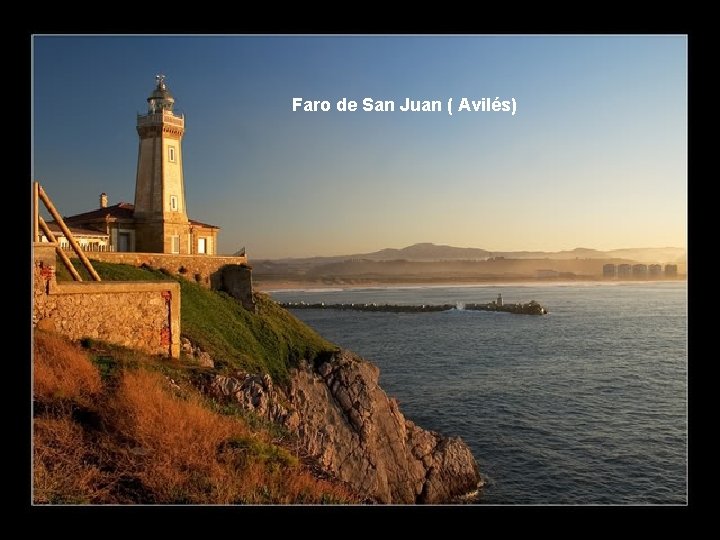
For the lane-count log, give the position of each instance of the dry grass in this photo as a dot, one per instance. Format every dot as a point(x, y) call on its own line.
point(149, 443)
point(184, 453)
point(303, 487)
point(62, 370)
point(63, 466)
point(172, 442)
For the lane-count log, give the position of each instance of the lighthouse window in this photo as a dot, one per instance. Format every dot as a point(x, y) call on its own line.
point(173, 203)
point(171, 154)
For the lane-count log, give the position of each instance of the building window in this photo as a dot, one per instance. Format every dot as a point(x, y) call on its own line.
point(201, 245)
point(171, 154)
point(173, 203)
point(174, 244)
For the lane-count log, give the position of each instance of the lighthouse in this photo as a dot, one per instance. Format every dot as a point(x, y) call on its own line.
point(161, 221)
point(158, 221)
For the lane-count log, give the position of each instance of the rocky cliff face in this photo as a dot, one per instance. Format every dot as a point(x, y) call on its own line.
point(343, 418)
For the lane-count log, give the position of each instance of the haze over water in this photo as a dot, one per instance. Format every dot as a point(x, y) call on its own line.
point(585, 405)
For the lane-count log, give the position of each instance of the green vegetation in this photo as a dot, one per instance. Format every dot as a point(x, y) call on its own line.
point(252, 449)
point(270, 341)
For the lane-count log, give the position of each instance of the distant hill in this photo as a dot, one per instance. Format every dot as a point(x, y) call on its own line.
point(431, 261)
point(427, 251)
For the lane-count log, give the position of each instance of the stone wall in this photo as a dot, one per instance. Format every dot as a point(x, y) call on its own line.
point(230, 274)
point(142, 315)
point(44, 252)
point(236, 280)
point(201, 268)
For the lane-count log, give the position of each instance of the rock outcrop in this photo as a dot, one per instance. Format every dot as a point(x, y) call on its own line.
point(254, 393)
point(346, 421)
point(203, 358)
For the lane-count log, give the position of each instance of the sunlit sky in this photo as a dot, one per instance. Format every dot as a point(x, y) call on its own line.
point(595, 157)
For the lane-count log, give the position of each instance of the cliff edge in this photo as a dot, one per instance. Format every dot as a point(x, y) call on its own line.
point(268, 361)
point(344, 419)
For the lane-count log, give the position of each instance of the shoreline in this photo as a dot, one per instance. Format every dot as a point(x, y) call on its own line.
point(270, 286)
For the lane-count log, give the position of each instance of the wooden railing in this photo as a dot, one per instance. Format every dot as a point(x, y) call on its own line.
point(39, 223)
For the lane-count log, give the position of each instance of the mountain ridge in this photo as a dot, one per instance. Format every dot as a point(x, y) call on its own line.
point(428, 251)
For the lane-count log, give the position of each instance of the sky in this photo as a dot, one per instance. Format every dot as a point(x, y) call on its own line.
point(595, 155)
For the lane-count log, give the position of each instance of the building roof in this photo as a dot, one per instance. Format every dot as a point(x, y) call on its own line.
point(76, 231)
point(120, 210)
point(200, 224)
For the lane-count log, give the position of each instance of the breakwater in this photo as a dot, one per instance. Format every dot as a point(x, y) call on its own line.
point(529, 308)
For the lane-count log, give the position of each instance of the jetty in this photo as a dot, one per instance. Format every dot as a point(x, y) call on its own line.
point(530, 308)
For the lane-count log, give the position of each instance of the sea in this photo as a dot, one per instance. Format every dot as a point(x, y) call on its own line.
point(584, 406)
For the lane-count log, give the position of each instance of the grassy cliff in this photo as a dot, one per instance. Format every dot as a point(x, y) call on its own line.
point(271, 340)
point(112, 427)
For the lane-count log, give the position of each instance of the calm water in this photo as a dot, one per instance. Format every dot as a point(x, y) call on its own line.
point(585, 405)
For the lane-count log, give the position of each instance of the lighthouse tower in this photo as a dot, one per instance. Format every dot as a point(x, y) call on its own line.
point(161, 222)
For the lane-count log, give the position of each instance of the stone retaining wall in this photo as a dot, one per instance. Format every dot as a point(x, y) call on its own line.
point(230, 274)
point(201, 268)
point(142, 315)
